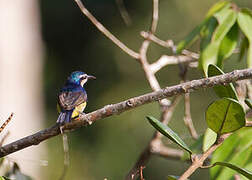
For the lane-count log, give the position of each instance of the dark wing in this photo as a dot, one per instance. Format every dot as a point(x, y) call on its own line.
point(69, 100)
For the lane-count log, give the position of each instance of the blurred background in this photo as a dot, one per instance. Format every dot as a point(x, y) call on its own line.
point(42, 42)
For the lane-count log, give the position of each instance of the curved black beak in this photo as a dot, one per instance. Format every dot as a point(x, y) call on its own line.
point(91, 77)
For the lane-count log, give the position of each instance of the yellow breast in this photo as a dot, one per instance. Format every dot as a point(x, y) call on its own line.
point(79, 109)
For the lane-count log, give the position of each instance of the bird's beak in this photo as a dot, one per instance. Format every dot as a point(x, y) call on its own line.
point(91, 77)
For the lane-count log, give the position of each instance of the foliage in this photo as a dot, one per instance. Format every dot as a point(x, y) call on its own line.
point(219, 33)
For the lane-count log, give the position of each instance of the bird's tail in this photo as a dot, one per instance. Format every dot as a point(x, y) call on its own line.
point(64, 117)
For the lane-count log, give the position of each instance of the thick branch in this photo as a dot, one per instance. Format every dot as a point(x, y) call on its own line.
point(120, 107)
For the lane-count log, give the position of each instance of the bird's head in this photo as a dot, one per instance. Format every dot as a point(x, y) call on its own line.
point(80, 78)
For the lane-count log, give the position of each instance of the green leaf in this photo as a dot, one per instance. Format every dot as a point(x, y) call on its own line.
point(248, 102)
point(166, 131)
point(210, 50)
point(171, 177)
point(225, 25)
point(245, 23)
point(243, 48)
point(225, 115)
point(236, 150)
point(194, 34)
point(244, 20)
point(4, 178)
point(242, 171)
point(207, 32)
point(217, 7)
point(221, 90)
point(190, 38)
point(209, 139)
point(228, 44)
point(209, 56)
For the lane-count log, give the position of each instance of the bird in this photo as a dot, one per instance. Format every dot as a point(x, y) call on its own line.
point(72, 98)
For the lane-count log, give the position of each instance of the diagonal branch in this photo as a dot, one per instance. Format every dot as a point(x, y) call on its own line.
point(198, 162)
point(120, 107)
point(105, 31)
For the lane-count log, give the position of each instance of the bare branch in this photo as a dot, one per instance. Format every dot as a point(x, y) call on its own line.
point(166, 152)
point(4, 138)
point(167, 44)
point(105, 31)
point(169, 60)
point(125, 15)
point(120, 107)
point(188, 119)
point(154, 16)
point(155, 145)
point(198, 162)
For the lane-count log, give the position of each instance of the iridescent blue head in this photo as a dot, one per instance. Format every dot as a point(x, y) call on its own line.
point(79, 78)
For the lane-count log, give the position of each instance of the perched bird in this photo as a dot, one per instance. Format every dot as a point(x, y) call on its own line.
point(72, 98)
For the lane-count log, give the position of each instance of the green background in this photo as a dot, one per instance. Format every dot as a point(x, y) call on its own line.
point(110, 147)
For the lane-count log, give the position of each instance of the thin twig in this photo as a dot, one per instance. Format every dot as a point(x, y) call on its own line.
point(123, 106)
point(141, 173)
point(198, 162)
point(106, 32)
point(4, 138)
point(154, 21)
point(165, 60)
point(155, 145)
point(124, 13)
point(6, 122)
point(188, 119)
point(167, 44)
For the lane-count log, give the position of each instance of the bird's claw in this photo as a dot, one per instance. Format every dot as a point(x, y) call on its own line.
point(86, 119)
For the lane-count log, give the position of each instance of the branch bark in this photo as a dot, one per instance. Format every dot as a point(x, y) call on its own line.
point(198, 162)
point(120, 107)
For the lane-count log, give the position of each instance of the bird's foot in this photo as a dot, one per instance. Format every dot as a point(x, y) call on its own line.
point(86, 119)
point(61, 130)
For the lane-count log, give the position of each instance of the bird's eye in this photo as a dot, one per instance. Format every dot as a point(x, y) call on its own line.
point(84, 77)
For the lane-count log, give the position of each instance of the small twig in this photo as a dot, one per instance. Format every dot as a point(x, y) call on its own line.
point(169, 153)
point(124, 13)
point(241, 90)
point(4, 138)
point(198, 162)
point(106, 32)
point(188, 119)
point(155, 145)
point(187, 114)
point(141, 172)
point(154, 21)
point(6, 122)
point(167, 44)
point(170, 60)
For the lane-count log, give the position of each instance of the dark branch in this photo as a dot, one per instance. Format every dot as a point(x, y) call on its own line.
point(120, 107)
